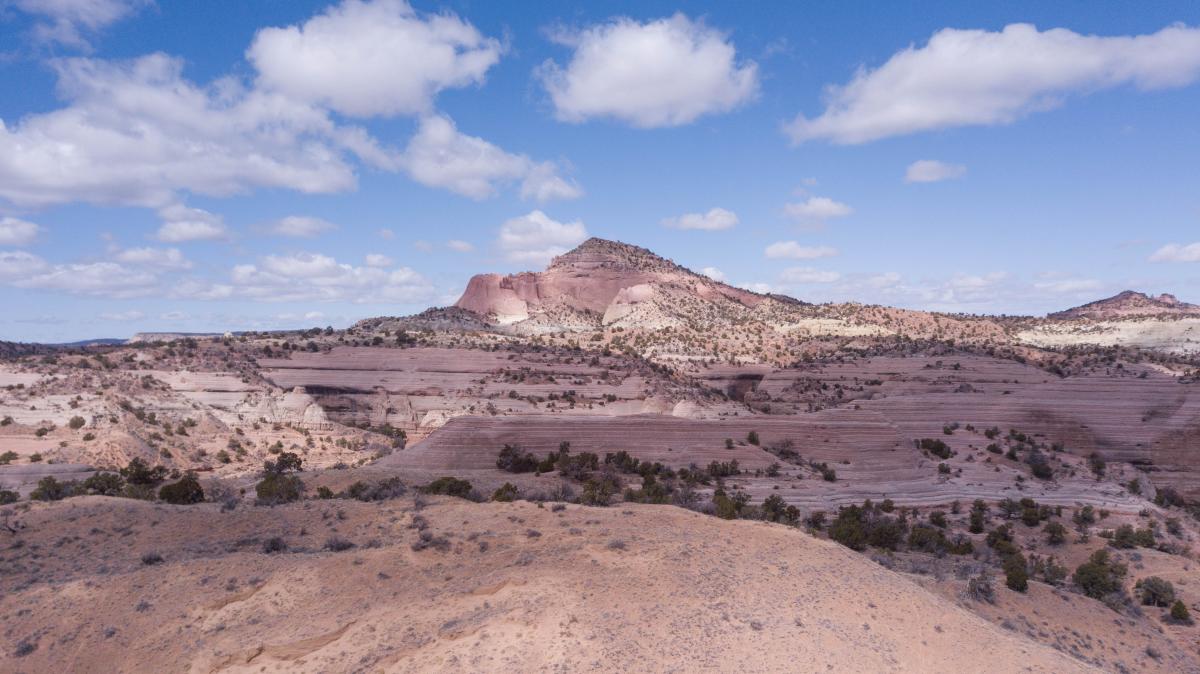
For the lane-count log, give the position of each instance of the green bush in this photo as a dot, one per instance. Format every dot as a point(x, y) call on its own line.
point(76, 423)
point(8, 457)
point(506, 494)
point(1155, 591)
point(1099, 576)
point(186, 491)
point(277, 488)
point(937, 448)
point(598, 491)
point(775, 509)
point(1056, 533)
point(449, 486)
point(104, 484)
point(1179, 612)
point(1016, 572)
point(513, 460)
point(139, 472)
point(8, 496)
point(50, 489)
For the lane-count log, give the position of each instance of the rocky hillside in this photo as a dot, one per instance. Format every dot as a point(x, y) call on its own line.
point(1130, 304)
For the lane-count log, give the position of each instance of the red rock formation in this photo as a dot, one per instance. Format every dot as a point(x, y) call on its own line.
point(1129, 304)
point(591, 278)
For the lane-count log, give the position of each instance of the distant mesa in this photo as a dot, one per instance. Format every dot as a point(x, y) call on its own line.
point(1129, 304)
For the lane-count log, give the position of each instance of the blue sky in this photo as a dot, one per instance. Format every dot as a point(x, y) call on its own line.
point(230, 165)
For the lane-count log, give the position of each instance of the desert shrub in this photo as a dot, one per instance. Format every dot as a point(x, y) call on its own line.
point(937, 448)
point(1134, 486)
point(578, 466)
point(1168, 497)
point(380, 491)
point(513, 460)
point(943, 469)
point(8, 496)
point(1099, 576)
point(506, 493)
point(76, 423)
point(1155, 591)
point(324, 492)
point(1126, 537)
point(448, 486)
point(104, 484)
point(151, 558)
point(273, 545)
point(277, 488)
point(729, 507)
point(752, 437)
point(1084, 516)
point(140, 473)
point(50, 489)
point(774, 509)
point(980, 587)
point(184, 492)
point(286, 462)
point(598, 491)
point(937, 518)
point(8, 457)
point(1179, 613)
point(652, 491)
point(718, 469)
point(976, 522)
point(1097, 465)
point(1016, 572)
point(859, 526)
point(1049, 569)
point(1056, 533)
point(337, 544)
point(36, 457)
point(6, 421)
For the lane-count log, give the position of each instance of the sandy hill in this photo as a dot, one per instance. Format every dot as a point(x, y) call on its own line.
point(1130, 304)
point(498, 587)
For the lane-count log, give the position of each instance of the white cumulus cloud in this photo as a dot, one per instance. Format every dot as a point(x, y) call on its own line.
point(378, 260)
point(793, 250)
point(182, 224)
point(817, 209)
point(932, 171)
point(439, 155)
point(665, 72)
point(459, 246)
point(68, 21)
point(301, 226)
point(163, 258)
point(978, 77)
point(14, 232)
point(1174, 252)
point(366, 58)
point(808, 275)
point(715, 274)
point(714, 219)
point(535, 238)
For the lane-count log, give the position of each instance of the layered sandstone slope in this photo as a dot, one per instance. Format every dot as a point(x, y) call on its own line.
point(503, 587)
